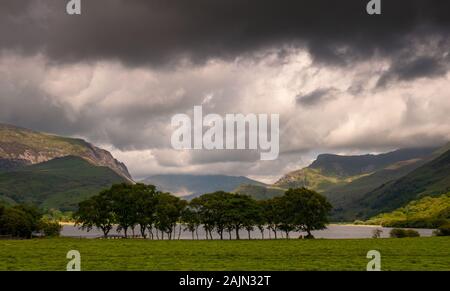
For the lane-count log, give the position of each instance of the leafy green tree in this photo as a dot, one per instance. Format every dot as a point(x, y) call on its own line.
point(260, 218)
point(145, 200)
point(206, 216)
point(96, 212)
point(240, 210)
point(306, 210)
point(191, 220)
point(124, 207)
point(50, 228)
point(271, 215)
point(15, 222)
point(168, 213)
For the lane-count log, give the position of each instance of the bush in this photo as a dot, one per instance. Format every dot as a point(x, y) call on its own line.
point(443, 230)
point(399, 233)
point(16, 223)
point(49, 227)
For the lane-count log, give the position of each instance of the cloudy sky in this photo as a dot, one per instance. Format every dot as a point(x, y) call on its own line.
point(341, 80)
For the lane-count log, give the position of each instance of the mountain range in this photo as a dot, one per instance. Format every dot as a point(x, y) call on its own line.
point(360, 187)
point(191, 186)
point(58, 172)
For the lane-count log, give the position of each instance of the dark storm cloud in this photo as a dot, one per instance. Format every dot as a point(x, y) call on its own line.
point(315, 97)
point(412, 69)
point(159, 32)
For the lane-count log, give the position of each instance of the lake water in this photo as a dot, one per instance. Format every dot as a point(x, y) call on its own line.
point(334, 231)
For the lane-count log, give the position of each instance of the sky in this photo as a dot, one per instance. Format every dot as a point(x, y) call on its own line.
point(341, 80)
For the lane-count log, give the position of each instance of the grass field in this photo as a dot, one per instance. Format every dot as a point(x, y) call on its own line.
point(431, 253)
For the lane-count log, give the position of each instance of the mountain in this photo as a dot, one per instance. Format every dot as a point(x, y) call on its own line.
point(342, 197)
point(191, 186)
point(430, 179)
point(329, 170)
point(344, 177)
point(59, 183)
point(21, 147)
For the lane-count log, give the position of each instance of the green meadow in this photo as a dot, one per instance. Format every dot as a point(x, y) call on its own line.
point(427, 253)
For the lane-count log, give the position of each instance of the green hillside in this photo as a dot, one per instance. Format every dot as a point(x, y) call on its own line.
point(342, 196)
point(428, 212)
point(430, 179)
point(346, 179)
point(20, 146)
point(314, 179)
point(59, 183)
point(259, 192)
point(348, 166)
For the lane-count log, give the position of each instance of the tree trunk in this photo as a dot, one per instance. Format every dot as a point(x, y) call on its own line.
point(210, 234)
point(249, 237)
point(179, 233)
point(196, 232)
point(221, 235)
point(262, 234)
point(125, 229)
point(150, 231)
point(237, 233)
point(143, 231)
point(275, 233)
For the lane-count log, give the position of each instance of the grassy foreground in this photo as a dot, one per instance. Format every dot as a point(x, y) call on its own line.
point(432, 253)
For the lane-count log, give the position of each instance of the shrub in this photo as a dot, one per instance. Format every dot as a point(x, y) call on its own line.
point(49, 227)
point(16, 223)
point(399, 233)
point(443, 230)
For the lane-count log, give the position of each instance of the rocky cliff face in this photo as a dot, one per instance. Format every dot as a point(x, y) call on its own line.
point(19, 146)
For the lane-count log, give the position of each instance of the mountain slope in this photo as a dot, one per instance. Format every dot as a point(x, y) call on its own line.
point(59, 183)
point(342, 196)
point(191, 186)
point(19, 147)
point(430, 179)
point(331, 174)
point(329, 171)
point(259, 192)
point(427, 212)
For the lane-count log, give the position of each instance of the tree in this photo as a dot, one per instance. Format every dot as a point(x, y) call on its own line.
point(190, 219)
point(96, 212)
point(241, 208)
point(145, 200)
point(271, 215)
point(123, 206)
point(168, 213)
point(16, 222)
point(207, 217)
point(50, 228)
point(306, 210)
point(260, 218)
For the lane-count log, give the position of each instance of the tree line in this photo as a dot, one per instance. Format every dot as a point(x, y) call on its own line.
point(25, 221)
point(165, 216)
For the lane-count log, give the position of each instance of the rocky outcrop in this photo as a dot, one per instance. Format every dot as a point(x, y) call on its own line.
point(19, 146)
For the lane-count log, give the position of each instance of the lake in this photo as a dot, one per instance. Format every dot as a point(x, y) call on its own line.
point(334, 231)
